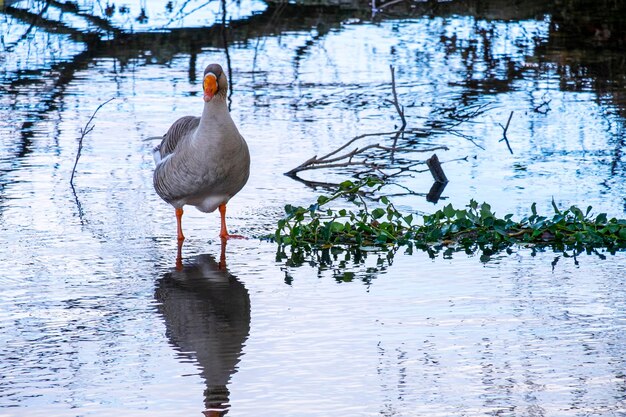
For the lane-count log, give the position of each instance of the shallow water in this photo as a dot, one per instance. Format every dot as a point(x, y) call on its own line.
point(95, 320)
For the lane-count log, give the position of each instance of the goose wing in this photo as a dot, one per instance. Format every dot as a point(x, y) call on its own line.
point(179, 129)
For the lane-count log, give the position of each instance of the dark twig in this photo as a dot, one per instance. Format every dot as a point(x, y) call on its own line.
point(354, 139)
point(395, 144)
point(84, 132)
point(399, 109)
point(504, 130)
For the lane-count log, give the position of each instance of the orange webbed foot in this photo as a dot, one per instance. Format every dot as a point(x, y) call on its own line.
point(228, 236)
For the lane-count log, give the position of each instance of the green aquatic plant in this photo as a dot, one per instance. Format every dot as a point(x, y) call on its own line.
point(473, 228)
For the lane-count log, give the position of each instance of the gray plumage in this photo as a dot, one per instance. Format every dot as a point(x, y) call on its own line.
point(203, 161)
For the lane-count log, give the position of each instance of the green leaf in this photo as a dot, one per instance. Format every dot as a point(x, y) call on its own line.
point(601, 218)
point(559, 218)
point(372, 181)
point(346, 185)
point(449, 211)
point(500, 230)
point(577, 213)
point(377, 213)
point(336, 227)
point(485, 211)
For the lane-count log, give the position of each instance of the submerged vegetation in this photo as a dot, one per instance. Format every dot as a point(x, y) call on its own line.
point(475, 228)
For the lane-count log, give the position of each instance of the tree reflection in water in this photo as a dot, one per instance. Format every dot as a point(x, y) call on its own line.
point(583, 46)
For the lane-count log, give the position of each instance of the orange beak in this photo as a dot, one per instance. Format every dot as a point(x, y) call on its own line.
point(210, 86)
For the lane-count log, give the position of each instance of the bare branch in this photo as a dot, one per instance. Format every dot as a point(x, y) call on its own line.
point(395, 97)
point(385, 157)
point(354, 139)
point(84, 132)
point(325, 166)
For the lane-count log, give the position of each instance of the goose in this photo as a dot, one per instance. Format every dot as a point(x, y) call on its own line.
point(203, 161)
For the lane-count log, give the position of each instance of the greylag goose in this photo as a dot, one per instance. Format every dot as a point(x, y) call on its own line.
point(203, 161)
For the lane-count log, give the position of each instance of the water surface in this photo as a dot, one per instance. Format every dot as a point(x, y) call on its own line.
point(95, 319)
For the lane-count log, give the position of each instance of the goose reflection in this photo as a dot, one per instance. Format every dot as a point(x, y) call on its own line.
point(207, 317)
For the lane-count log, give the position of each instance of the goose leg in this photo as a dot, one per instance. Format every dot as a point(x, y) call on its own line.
point(223, 232)
point(179, 224)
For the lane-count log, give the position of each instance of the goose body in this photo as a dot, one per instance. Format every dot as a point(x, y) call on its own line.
point(203, 161)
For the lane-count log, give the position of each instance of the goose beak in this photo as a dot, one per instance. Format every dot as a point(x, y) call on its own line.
point(210, 86)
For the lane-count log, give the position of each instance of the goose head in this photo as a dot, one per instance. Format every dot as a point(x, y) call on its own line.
point(214, 82)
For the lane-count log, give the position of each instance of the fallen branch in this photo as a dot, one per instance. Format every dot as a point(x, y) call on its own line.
point(325, 161)
point(84, 132)
point(386, 158)
point(333, 159)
